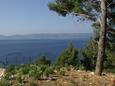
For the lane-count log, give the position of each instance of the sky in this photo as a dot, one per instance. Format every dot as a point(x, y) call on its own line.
point(33, 17)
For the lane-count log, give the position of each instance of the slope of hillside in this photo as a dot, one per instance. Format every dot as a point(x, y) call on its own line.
point(70, 78)
point(79, 78)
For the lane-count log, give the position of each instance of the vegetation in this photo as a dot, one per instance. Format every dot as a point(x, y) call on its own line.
point(68, 56)
point(91, 49)
point(90, 55)
point(42, 61)
point(10, 68)
point(32, 83)
point(68, 70)
point(44, 74)
point(90, 10)
point(4, 82)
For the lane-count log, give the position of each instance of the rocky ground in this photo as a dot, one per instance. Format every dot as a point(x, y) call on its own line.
point(78, 78)
point(71, 78)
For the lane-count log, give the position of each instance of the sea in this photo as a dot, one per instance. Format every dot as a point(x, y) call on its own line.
point(28, 50)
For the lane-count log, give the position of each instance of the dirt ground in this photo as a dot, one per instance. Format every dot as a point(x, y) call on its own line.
point(78, 78)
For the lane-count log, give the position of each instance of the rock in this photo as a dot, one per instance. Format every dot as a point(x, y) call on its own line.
point(55, 71)
point(90, 83)
point(2, 71)
point(65, 82)
point(72, 69)
point(92, 73)
point(11, 77)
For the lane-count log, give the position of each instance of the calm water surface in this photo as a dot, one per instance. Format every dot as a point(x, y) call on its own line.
point(25, 51)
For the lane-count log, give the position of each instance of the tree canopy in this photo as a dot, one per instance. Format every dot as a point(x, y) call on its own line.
point(88, 9)
point(102, 11)
point(68, 56)
point(85, 9)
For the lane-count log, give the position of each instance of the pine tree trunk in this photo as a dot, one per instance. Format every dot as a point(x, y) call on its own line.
point(102, 38)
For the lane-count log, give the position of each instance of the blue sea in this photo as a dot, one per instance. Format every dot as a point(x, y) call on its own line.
point(26, 51)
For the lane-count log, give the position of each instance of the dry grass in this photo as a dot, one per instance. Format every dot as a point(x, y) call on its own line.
point(77, 78)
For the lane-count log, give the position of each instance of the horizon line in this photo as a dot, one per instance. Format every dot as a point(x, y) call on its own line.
point(40, 33)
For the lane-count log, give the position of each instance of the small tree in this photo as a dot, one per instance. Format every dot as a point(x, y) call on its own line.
point(42, 61)
point(68, 56)
point(90, 55)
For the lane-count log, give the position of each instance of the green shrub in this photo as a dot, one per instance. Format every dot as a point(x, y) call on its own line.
point(31, 83)
point(56, 67)
point(19, 79)
point(10, 68)
point(42, 61)
point(32, 72)
point(68, 56)
point(23, 70)
point(81, 67)
point(37, 75)
point(18, 67)
point(4, 82)
point(62, 72)
point(42, 68)
point(37, 72)
point(40, 71)
point(6, 76)
point(48, 71)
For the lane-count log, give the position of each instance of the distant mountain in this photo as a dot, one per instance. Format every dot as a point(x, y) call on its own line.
point(48, 36)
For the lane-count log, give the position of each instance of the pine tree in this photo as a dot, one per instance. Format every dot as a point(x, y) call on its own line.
point(88, 10)
point(90, 54)
point(68, 56)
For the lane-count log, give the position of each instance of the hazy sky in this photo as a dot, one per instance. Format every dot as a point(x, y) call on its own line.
point(33, 16)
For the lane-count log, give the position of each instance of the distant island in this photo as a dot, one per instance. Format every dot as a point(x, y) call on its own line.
point(47, 36)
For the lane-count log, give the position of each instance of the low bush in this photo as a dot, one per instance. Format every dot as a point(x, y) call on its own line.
point(42, 68)
point(32, 72)
point(10, 68)
point(6, 76)
point(81, 67)
point(19, 79)
point(31, 83)
point(62, 72)
point(48, 71)
point(56, 67)
point(37, 75)
point(23, 70)
point(4, 82)
point(42, 61)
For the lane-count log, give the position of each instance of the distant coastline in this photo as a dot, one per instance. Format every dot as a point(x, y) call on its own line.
point(47, 36)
